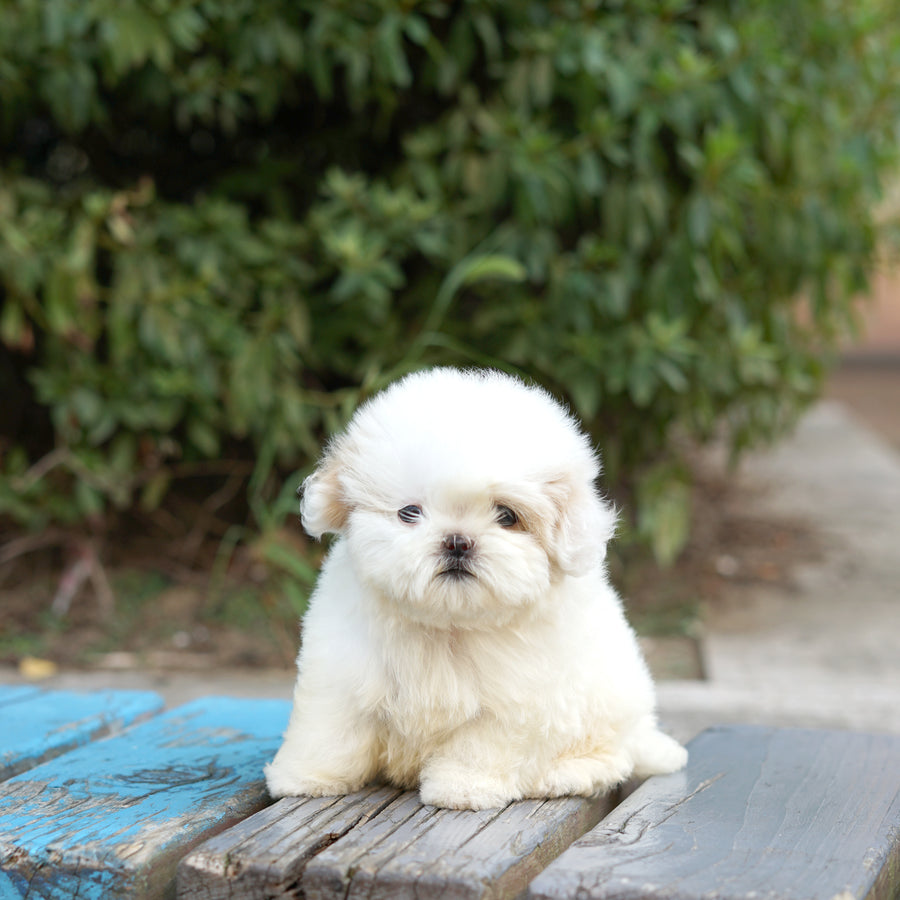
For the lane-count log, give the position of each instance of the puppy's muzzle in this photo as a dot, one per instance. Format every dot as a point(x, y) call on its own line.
point(457, 551)
point(457, 546)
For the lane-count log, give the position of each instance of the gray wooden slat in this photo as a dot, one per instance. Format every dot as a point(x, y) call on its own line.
point(452, 853)
point(264, 856)
point(111, 819)
point(36, 726)
point(381, 843)
point(790, 814)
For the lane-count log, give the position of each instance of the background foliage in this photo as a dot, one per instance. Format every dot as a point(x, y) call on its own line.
point(223, 223)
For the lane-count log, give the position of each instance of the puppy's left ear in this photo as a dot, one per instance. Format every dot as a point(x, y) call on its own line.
point(323, 507)
point(585, 524)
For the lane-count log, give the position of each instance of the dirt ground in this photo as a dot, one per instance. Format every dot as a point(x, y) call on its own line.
point(127, 614)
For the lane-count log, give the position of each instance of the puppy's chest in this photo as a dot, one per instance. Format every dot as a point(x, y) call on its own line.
point(431, 685)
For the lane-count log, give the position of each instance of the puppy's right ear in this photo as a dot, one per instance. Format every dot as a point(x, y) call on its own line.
point(323, 508)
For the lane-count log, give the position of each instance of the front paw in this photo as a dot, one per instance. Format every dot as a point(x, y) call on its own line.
point(456, 787)
point(583, 775)
point(283, 782)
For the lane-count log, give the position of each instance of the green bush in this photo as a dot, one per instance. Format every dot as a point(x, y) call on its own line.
point(223, 223)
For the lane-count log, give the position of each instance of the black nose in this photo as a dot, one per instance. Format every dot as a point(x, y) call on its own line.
point(457, 545)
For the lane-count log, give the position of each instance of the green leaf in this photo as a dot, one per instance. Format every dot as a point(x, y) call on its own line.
point(490, 267)
point(203, 436)
point(88, 500)
point(13, 328)
point(664, 511)
point(287, 559)
point(155, 490)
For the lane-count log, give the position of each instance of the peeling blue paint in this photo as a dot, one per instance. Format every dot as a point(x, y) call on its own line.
point(114, 816)
point(43, 725)
point(8, 888)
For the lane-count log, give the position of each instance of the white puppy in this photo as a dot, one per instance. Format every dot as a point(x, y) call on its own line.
point(463, 637)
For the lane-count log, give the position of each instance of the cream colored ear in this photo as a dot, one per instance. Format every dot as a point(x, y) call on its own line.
point(323, 507)
point(584, 527)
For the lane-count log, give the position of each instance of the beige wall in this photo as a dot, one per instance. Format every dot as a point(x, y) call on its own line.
point(881, 317)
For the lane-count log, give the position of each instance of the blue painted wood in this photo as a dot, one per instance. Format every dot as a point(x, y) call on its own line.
point(111, 819)
point(42, 725)
point(13, 693)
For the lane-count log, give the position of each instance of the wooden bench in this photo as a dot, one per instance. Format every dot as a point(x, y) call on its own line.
point(172, 802)
point(112, 817)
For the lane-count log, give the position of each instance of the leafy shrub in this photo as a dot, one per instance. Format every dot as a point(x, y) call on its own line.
point(223, 223)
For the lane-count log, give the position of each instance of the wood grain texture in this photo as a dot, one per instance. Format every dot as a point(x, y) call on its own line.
point(112, 818)
point(264, 856)
point(421, 852)
point(759, 813)
point(381, 843)
point(36, 726)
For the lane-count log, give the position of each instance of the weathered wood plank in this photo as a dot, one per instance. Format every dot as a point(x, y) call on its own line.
point(428, 853)
point(264, 856)
point(777, 813)
point(36, 726)
point(111, 819)
point(381, 843)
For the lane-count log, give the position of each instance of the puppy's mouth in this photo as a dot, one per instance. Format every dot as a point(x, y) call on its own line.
point(455, 570)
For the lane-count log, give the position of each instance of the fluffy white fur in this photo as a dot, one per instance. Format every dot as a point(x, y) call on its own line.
point(517, 677)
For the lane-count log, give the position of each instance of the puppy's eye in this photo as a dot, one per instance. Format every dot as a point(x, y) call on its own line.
point(410, 514)
point(506, 518)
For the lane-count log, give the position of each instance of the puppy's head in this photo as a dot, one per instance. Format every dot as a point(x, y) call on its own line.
point(463, 497)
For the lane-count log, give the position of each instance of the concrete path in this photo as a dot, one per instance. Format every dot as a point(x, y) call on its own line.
point(826, 650)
